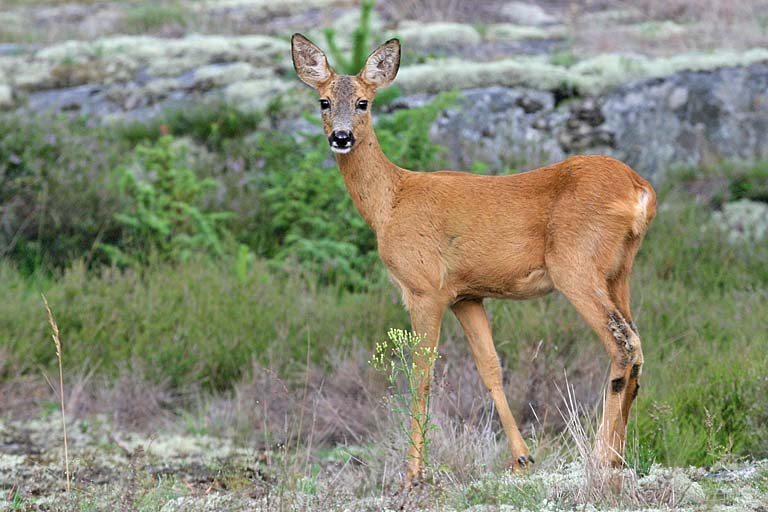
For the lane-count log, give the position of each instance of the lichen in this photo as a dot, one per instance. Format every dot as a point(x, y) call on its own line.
point(118, 58)
point(265, 8)
point(512, 32)
point(441, 35)
point(743, 221)
point(590, 76)
point(255, 94)
point(440, 75)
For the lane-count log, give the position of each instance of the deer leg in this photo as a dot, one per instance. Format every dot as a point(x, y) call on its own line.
point(425, 320)
point(623, 346)
point(474, 321)
point(618, 289)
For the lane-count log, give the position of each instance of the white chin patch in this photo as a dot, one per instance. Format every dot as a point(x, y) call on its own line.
point(341, 151)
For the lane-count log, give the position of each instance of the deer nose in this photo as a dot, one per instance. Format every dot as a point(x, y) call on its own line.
point(341, 139)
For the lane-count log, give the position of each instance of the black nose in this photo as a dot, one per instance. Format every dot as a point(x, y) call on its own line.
point(341, 138)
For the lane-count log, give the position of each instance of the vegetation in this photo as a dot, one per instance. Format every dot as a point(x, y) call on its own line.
point(360, 42)
point(217, 299)
point(293, 261)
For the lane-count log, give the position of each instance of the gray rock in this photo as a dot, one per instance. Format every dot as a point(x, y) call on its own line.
point(6, 96)
point(526, 13)
point(689, 118)
point(499, 127)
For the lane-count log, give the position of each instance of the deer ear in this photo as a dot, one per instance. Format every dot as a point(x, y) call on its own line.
point(381, 66)
point(309, 61)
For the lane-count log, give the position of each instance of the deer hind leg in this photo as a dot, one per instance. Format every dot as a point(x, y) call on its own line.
point(589, 294)
point(618, 289)
point(426, 314)
point(474, 321)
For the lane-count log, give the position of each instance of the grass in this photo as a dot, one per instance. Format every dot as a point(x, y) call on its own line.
point(698, 300)
point(57, 343)
point(149, 17)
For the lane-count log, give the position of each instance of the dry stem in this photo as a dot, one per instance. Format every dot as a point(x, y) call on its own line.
point(57, 342)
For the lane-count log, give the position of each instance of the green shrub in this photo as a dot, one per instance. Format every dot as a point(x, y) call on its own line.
point(147, 17)
point(163, 217)
point(195, 323)
point(56, 193)
point(360, 37)
point(212, 124)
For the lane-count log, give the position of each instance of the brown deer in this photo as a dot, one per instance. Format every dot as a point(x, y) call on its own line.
point(451, 239)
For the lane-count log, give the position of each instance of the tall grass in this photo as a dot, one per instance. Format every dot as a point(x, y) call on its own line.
point(57, 344)
point(700, 304)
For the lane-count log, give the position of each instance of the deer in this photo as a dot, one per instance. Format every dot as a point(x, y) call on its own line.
point(451, 239)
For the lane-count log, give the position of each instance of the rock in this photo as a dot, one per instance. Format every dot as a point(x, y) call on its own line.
point(742, 221)
point(689, 118)
point(672, 482)
point(6, 96)
point(262, 9)
point(121, 58)
point(217, 75)
point(426, 37)
point(254, 94)
point(497, 126)
point(512, 32)
point(525, 13)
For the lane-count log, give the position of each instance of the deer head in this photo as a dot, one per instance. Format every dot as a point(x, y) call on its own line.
point(345, 100)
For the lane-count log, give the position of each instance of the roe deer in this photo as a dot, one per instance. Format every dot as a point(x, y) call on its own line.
point(450, 239)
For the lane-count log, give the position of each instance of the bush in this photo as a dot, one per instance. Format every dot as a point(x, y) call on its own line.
point(163, 217)
point(56, 195)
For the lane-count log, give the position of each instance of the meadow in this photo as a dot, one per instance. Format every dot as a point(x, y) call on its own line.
point(211, 279)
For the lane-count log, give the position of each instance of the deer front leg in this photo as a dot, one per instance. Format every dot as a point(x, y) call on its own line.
point(474, 321)
point(426, 314)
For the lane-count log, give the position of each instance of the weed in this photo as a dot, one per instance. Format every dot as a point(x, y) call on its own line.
point(396, 359)
point(148, 17)
point(165, 218)
point(360, 38)
point(57, 343)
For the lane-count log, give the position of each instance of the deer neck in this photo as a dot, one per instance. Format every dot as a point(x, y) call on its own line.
point(371, 179)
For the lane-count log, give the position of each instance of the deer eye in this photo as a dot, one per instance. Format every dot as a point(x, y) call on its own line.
point(325, 104)
point(362, 105)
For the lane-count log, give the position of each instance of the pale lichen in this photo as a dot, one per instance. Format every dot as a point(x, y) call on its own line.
point(441, 35)
point(743, 221)
point(590, 76)
point(512, 32)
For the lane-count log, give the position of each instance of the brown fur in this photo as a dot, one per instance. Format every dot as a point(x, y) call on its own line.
point(451, 239)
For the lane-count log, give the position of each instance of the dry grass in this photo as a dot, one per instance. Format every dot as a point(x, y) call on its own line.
point(661, 28)
point(57, 343)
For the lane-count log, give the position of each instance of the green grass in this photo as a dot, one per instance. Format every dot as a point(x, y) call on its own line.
point(147, 17)
point(305, 272)
point(700, 304)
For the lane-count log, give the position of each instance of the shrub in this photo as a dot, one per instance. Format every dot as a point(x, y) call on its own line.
point(163, 216)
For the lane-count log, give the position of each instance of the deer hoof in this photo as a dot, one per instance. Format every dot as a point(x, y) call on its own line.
point(522, 462)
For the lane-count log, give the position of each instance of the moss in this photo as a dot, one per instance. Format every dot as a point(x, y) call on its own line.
point(6, 96)
point(512, 32)
point(743, 220)
point(255, 94)
point(444, 35)
point(118, 58)
point(441, 75)
point(224, 74)
point(264, 8)
point(589, 76)
point(658, 29)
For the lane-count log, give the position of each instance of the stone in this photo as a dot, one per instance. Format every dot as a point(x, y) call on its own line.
point(525, 13)
point(427, 37)
point(677, 98)
point(6, 96)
